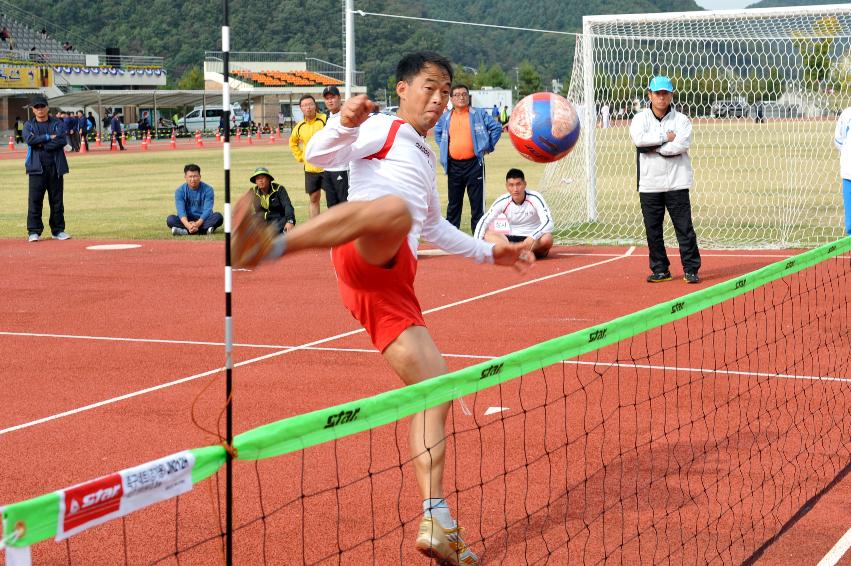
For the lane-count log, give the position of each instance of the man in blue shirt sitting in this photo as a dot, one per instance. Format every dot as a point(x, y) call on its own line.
point(194, 202)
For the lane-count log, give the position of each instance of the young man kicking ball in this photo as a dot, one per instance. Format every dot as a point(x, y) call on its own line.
point(374, 237)
point(520, 215)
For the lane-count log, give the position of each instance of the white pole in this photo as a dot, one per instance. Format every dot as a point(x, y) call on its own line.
point(590, 124)
point(350, 47)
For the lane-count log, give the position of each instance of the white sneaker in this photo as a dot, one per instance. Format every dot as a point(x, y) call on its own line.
point(444, 545)
point(179, 231)
point(62, 236)
point(32, 237)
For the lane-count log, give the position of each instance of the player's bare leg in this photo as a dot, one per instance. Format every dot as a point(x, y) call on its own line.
point(378, 227)
point(314, 203)
point(415, 357)
point(542, 246)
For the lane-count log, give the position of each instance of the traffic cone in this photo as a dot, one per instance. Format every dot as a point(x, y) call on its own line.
point(218, 136)
point(237, 134)
point(144, 143)
point(259, 135)
point(250, 142)
point(112, 146)
point(173, 143)
point(11, 143)
point(272, 138)
point(83, 148)
point(198, 141)
point(97, 139)
point(123, 140)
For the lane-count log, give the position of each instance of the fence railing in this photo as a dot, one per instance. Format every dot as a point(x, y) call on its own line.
point(79, 59)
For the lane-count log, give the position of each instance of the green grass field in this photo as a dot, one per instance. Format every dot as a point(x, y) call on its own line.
point(769, 185)
point(128, 195)
point(761, 185)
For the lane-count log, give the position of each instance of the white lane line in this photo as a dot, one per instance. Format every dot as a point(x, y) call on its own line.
point(279, 353)
point(531, 281)
point(838, 551)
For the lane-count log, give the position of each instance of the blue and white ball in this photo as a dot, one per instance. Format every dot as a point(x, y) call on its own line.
point(544, 127)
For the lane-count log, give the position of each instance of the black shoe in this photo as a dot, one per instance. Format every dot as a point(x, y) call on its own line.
point(659, 277)
point(691, 277)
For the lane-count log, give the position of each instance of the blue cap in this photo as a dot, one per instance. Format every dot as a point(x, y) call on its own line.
point(661, 83)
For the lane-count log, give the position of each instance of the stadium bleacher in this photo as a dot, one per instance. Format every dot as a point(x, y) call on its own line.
point(25, 38)
point(274, 78)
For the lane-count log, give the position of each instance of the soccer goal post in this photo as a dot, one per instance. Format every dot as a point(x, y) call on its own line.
point(763, 88)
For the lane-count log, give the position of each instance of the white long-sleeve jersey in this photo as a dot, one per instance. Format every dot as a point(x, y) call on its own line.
point(532, 217)
point(843, 143)
point(387, 156)
point(339, 166)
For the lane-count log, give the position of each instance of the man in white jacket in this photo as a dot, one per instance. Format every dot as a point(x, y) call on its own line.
point(373, 239)
point(662, 137)
point(843, 144)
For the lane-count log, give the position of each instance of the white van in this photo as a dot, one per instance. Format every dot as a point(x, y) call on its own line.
point(207, 118)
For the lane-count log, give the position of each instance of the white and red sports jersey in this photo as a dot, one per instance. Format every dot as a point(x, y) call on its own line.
point(532, 217)
point(387, 156)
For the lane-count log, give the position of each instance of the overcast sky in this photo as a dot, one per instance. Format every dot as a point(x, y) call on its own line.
point(724, 4)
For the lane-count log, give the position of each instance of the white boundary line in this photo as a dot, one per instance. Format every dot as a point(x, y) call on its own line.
point(838, 551)
point(446, 355)
point(291, 349)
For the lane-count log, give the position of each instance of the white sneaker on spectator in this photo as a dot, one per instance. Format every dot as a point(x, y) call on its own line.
point(62, 236)
point(179, 231)
point(32, 237)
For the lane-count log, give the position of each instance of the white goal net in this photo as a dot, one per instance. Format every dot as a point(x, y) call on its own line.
point(763, 89)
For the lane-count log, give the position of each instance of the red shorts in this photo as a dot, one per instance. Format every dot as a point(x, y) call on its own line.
point(382, 299)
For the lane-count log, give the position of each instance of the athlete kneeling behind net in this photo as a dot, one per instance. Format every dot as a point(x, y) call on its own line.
point(374, 238)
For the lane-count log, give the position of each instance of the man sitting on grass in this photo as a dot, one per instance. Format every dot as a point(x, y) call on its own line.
point(194, 202)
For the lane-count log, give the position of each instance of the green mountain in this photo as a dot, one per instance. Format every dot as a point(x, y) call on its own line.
point(788, 3)
point(180, 31)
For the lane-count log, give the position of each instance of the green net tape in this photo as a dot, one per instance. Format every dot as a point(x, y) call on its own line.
point(297, 433)
point(35, 520)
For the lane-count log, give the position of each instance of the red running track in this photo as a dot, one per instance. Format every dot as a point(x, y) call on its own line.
point(82, 327)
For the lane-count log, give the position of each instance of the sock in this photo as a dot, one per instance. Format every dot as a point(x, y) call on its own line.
point(438, 509)
point(279, 246)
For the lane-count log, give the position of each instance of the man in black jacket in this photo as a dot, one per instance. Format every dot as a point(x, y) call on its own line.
point(45, 164)
point(272, 201)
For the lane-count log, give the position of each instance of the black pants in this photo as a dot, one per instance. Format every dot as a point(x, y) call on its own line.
point(466, 174)
point(677, 203)
point(336, 185)
point(54, 186)
point(213, 221)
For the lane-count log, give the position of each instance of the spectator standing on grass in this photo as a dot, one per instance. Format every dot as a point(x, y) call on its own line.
point(465, 135)
point(301, 134)
point(271, 200)
point(19, 130)
point(72, 130)
point(115, 125)
point(520, 215)
point(495, 112)
point(83, 129)
point(194, 201)
point(843, 144)
point(92, 122)
point(605, 115)
point(335, 179)
point(662, 136)
point(46, 167)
